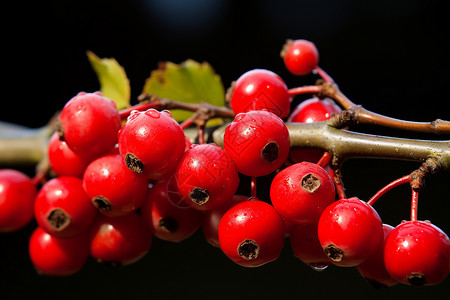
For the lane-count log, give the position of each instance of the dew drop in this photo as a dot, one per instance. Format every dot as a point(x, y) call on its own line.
point(318, 267)
point(152, 113)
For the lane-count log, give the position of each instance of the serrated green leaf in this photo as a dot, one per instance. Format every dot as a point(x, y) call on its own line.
point(190, 82)
point(114, 83)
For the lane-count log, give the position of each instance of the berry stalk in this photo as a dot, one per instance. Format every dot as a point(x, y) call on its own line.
point(414, 205)
point(388, 187)
point(356, 114)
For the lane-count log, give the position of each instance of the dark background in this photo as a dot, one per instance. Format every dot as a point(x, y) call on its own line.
point(390, 56)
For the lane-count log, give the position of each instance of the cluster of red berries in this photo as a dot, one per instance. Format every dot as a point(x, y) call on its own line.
point(120, 182)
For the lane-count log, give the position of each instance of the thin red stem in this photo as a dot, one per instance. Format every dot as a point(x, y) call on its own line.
point(338, 184)
point(324, 160)
point(188, 122)
point(310, 89)
point(201, 134)
point(414, 205)
point(388, 187)
point(38, 178)
point(324, 75)
point(253, 187)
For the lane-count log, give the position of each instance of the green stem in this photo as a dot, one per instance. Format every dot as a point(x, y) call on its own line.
point(22, 146)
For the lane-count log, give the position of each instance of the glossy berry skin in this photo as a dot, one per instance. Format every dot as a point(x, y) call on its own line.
point(62, 208)
point(152, 143)
point(373, 268)
point(314, 110)
point(113, 188)
point(300, 192)
point(89, 123)
point(17, 194)
point(305, 246)
point(310, 111)
point(258, 142)
point(119, 241)
point(350, 231)
point(251, 233)
point(52, 256)
point(212, 217)
point(62, 159)
point(206, 177)
point(260, 89)
point(417, 253)
point(300, 56)
point(167, 216)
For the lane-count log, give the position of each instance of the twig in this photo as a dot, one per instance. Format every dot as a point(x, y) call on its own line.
point(356, 114)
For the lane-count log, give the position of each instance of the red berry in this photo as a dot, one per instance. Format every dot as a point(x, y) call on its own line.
point(62, 160)
point(119, 241)
point(206, 177)
point(62, 207)
point(251, 233)
point(301, 192)
point(350, 231)
point(314, 110)
point(211, 220)
point(258, 142)
point(89, 123)
point(417, 253)
point(301, 57)
point(373, 268)
point(54, 256)
point(168, 216)
point(17, 194)
point(260, 89)
point(310, 111)
point(306, 246)
point(152, 143)
point(113, 188)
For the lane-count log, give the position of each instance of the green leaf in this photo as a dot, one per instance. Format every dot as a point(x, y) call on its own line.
point(114, 83)
point(190, 82)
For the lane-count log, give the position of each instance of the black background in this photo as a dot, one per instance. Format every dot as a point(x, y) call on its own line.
point(390, 56)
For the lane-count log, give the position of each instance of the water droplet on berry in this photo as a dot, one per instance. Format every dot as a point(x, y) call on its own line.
point(133, 115)
point(167, 112)
point(153, 113)
point(318, 267)
point(239, 117)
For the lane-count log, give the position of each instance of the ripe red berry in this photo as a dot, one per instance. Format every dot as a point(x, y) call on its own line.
point(89, 123)
point(260, 89)
point(113, 188)
point(373, 268)
point(17, 194)
point(206, 177)
point(314, 110)
point(310, 111)
point(350, 231)
point(417, 253)
point(62, 208)
point(62, 159)
point(258, 142)
point(119, 241)
point(211, 220)
point(301, 192)
point(305, 245)
point(300, 56)
point(54, 256)
point(152, 143)
point(251, 233)
point(167, 216)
